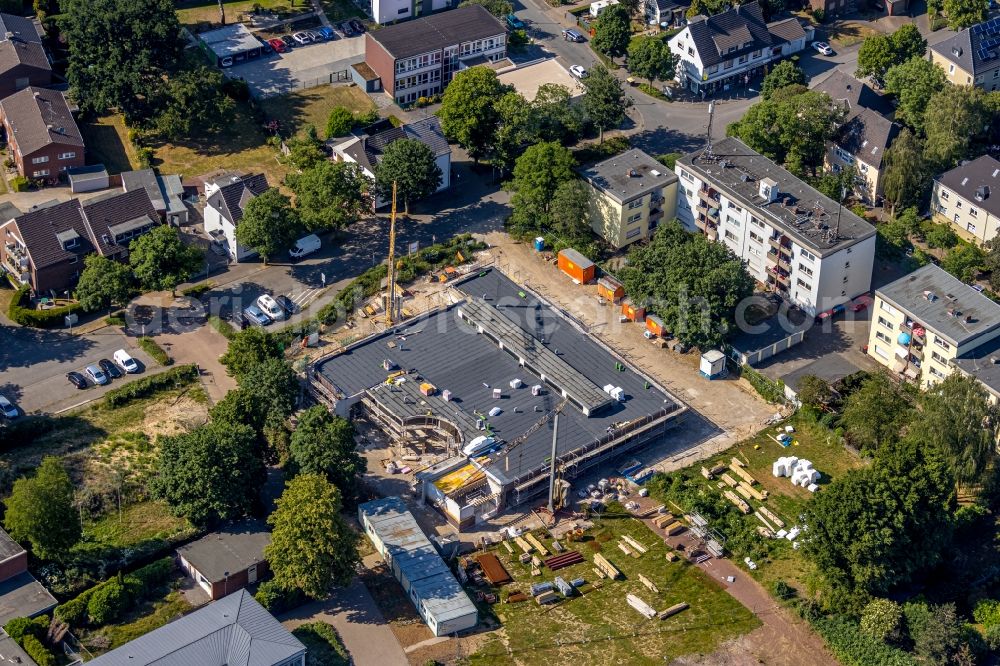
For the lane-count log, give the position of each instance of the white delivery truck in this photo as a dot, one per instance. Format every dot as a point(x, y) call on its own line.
point(305, 246)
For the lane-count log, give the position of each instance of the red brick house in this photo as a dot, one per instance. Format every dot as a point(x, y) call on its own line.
point(42, 134)
point(23, 61)
point(229, 559)
point(20, 594)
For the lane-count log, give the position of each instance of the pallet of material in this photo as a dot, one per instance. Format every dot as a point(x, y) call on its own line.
point(516, 597)
point(542, 550)
point(600, 574)
point(673, 610)
point(635, 544)
point(762, 519)
point(730, 481)
point(759, 495)
point(625, 549)
point(742, 490)
point(567, 559)
point(770, 516)
point(743, 474)
point(648, 513)
point(522, 544)
point(717, 469)
point(604, 565)
point(736, 462)
point(493, 569)
point(641, 606)
point(740, 504)
point(510, 549)
point(674, 528)
point(664, 519)
point(538, 588)
point(557, 547)
point(546, 598)
point(649, 584)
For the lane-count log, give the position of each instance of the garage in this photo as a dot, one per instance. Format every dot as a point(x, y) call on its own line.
point(231, 45)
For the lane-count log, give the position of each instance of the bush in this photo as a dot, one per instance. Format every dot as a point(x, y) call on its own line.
point(20, 184)
point(149, 346)
point(367, 118)
point(74, 611)
point(782, 590)
point(668, 159)
point(115, 320)
point(596, 152)
point(881, 619)
point(236, 89)
point(147, 386)
point(771, 391)
point(20, 627)
point(107, 602)
point(986, 613)
point(133, 587)
point(940, 236)
point(195, 291)
point(222, 326)
point(21, 312)
point(323, 645)
point(993, 638)
point(853, 648)
point(145, 155)
point(38, 652)
point(276, 599)
point(339, 122)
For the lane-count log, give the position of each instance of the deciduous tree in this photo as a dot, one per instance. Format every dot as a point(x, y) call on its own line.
point(913, 83)
point(570, 209)
point(965, 13)
point(274, 384)
point(305, 150)
point(192, 99)
point(161, 260)
point(468, 110)
point(605, 100)
point(537, 174)
point(964, 261)
point(410, 164)
point(513, 131)
point(785, 73)
point(339, 122)
point(248, 348)
point(324, 444)
point(103, 283)
point(878, 53)
point(40, 511)
point(651, 58)
point(613, 32)
point(270, 225)
point(210, 474)
point(553, 116)
point(331, 195)
point(312, 548)
point(954, 117)
point(905, 173)
point(874, 414)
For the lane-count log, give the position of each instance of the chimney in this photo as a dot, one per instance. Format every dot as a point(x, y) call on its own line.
point(768, 190)
point(982, 192)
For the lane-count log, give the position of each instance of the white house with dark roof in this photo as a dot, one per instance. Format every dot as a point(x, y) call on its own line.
point(225, 201)
point(864, 135)
point(727, 50)
point(972, 57)
point(366, 150)
point(968, 198)
point(671, 12)
point(165, 191)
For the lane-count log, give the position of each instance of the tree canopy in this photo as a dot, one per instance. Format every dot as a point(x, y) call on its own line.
point(604, 100)
point(248, 348)
point(874, 414)
point(878, 53)
point(650, 57)
point(538, 172)
point(692, 283)
point(499, 8)
point(324, 444)
point(410, 164)
point(905, 174)
point(331, 195)
point(190, 99)
point(339, 122)
point(613, 32)
point(40, 511)
point(954, 117)
point(468, 111)
point(270, 225)
point(274, 384)
point(913, 83)
point(553, 117)
point(161, 260)
point(312, 548)
point(305, 149)
point(965, 13)
point(103, 282)
point(785, 73)
point(210, 474)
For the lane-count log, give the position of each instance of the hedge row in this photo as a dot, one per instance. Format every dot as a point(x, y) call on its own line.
point(147, 386)
point(106, 601)
point(149, 346)
point(21, 312)
point(276, 599)
point(772, 391)
point(222, 326)
point(38, 652)
point(853, 648)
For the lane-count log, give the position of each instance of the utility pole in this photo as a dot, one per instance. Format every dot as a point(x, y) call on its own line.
point(552, 465)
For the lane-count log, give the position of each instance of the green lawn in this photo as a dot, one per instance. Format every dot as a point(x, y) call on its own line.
point(107, 144)
point(312, 106)
point(599, 627)
point(191, 12)
point(138, 523)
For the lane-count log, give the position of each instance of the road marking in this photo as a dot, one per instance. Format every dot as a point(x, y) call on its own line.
point(304, 298)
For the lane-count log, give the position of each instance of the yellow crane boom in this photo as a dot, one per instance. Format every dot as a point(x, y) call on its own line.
point(390, 282)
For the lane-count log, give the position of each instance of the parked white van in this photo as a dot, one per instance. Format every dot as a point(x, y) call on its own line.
point(305, 246)
point(127, 363)
point(270, 307)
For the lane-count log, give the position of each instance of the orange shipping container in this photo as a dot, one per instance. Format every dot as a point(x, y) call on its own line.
point(655, 325)
point(610, 289)
point(632, 311)
point(577, 266)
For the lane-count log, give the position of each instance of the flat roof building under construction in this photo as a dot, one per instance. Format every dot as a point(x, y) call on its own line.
point(499, 339)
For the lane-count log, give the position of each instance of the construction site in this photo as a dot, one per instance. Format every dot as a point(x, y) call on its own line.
point(496, 385)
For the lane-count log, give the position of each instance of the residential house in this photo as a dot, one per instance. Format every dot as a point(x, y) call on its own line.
point(166, 193)
point(925, 321)
point(234, 631)
point(41, 132)
point(44, 248)
point(225, 201)
point(669, 12)
point(23, 61)
point(366, 150)
point(968, 198)
point(795, 240)
point(727, 50)
point(972, 57)
point(864, 136)
point(390, 11)
point(20, 594)
point(228, 559)
point(418, 58)
point(631, 194)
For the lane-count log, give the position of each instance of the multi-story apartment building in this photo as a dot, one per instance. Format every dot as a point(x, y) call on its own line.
point(418, 58)
point(43, 136)
point(864, 136)
point(23, 61)
point(795, 241)
point(729, 49)
point(968, 198)
point(389, 11)
point(925, 322)
point(972, 57)
point(631, 194)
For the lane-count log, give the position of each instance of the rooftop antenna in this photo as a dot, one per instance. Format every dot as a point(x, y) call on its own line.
point(708, 148)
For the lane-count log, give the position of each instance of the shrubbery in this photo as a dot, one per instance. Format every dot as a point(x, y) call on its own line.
point(20, 627)
point(106, 601)
point(853, 648)
point(21, 312)
point(38, 652)
point(772, 391)
point(20, 184)
point(149, 346)
point(276, 599)
point(173, 378)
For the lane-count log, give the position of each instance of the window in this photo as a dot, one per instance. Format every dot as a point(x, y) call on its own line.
point(634, 218)
point(951, 69)
point(632, 205)
point(74, 259)
point(957, 216)
point(404, 10)
point(40, 160)
point(958, 205)
point(634, 232)
point(942, 344)
point(730, 235)
point(973, 212)
point(944, 194)
point(937, 357)
point(690, 51)
point(755, 54)
point(996, 73)
point(733, 221)
point(757, 223)
point(756, 238)
point(888, 308)
point(727, 64)
point(934, 371)
point(879, 335)
point(805, 269)
point(713, 69)
point(730, 204)
point(802, 283)
point(806, 254)
point(881, 352)
point(40, 173)
point(882, 321)
point(754, 251)
point(847, 265)
point(742, 59)
point(686, 176)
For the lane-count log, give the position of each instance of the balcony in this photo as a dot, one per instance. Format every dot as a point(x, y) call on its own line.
point(710, 197)
point(705, 224)
point(655, 215)
point(780, 276)
point(784, 264)
point(781, 244)
point(707, 212)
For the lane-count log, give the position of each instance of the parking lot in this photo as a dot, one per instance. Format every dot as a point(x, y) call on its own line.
point(300, 67)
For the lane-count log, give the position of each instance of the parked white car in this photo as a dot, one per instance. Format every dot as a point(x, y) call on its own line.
point(270, 307)
point(127, 363)
point(578, 71)
point(823, 47)
point(7, 408)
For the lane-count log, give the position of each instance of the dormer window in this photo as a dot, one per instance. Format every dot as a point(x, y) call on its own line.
point(68, 239)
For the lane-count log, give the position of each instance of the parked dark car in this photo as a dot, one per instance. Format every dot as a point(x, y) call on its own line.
point(286, 304)
point(110, 369)
point(358, 26)
point(265, 46)
point(76, 379)
point(287, 39)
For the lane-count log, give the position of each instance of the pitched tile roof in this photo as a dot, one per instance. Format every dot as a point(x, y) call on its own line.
point(788, 30)
point(117, 213)
point(20, 27)
point(867, 135)
point(854, 94)
point(233, 631)
point(436, 31)
point(230, 198)
point(367, 150)
point(18, 52)
point(39, 228)
point(978, 182)
point(39, 117)
point(741, 28)
point(974, 49)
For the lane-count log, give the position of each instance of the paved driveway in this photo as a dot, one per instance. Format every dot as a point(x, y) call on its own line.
point(301, 67)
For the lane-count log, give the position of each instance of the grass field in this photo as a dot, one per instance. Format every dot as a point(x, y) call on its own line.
point(138, 523)
point(191, 12)
point(142, 619)
point(599, 627)
point(312, 106)
point(107, 144)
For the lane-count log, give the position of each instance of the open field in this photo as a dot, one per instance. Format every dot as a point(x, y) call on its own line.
point(191, 12)
point(312, 106)
point(107, 144)
point(142, 619)
point(599, 627)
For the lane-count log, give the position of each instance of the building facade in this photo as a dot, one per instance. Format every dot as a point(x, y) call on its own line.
point(923, 322)
point(972, 57)
point(795, 241)
point(224, 204)
point(968, 198)
point(43, 137)
point(390, 11)
point(631, 194)
point(228, 559)
point(419, 58)
point(23, 60)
